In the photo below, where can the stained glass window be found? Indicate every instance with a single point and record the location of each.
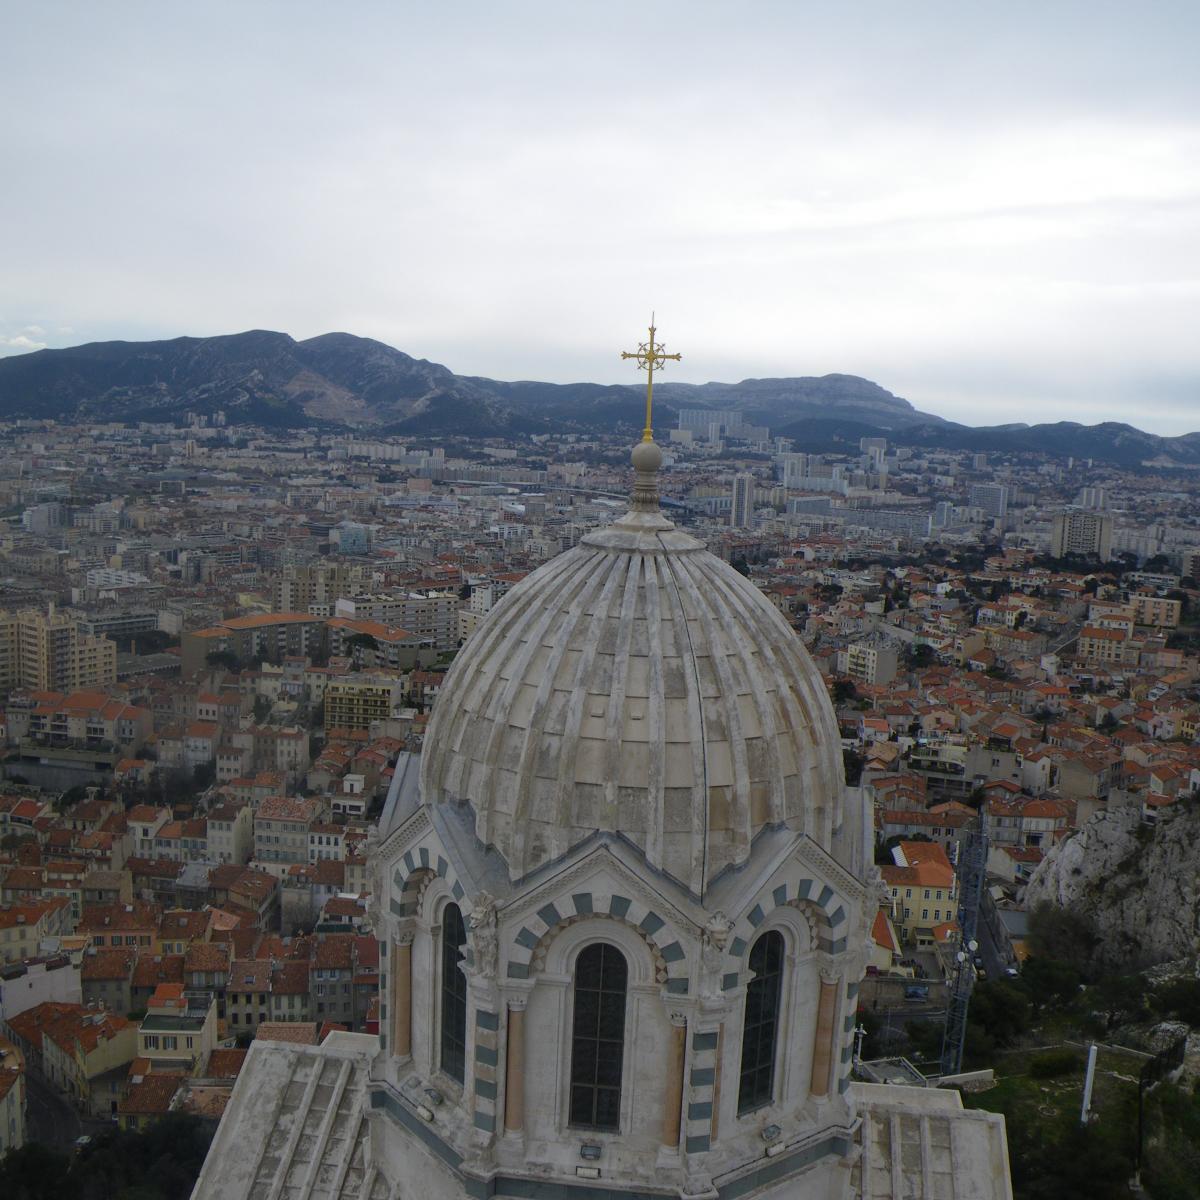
(598, 1044)
(760, 1031)
(454, 994)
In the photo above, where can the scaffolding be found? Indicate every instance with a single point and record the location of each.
(972, 875)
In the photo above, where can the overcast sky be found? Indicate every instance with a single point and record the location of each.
(990, 209)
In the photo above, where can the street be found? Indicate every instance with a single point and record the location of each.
(52, 1120)
(993, 962)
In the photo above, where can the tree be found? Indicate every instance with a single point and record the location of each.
(844, 691)
(358, 644)
(1001, 1010)
(1050, 982)
(35, 1172)
(1063, 935)
(852, 764)
(361, 641)
(920, 656)
(152, 641)
(223, 658)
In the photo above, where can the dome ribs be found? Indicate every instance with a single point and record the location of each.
(611, 814)
(498, 774)
(636, 685)
(580, 697)
(723, 729)
(525, 803)
(655, 719)
(769, 732)
(695, 872)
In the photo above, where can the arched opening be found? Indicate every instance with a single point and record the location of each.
(598, 1037)
(760, 1031)
(453, 1057)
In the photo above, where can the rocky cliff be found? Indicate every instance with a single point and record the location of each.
(1138, 885)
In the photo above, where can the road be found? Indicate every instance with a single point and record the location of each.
(53, 1121)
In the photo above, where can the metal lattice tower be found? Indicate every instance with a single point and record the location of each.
(972, 873)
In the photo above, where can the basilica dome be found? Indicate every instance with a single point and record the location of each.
(637, 685)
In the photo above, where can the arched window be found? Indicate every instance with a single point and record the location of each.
(454, 994)
(756, 1083)
(598, 1043)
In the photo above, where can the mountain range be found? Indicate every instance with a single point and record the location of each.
(339, 380)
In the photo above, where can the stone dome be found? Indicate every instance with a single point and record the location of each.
(636, 684)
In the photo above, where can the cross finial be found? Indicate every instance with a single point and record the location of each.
(650, 355)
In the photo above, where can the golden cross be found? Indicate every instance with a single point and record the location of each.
(649, 355)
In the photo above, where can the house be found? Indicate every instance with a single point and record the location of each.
(83, 1052)
(151, 970)
(206, 972)
(178, 928)
(12, 1097)
(149, 1099)
(248, 997)
(134, 924)
(281, 832)
(107, 977)
(290, 991)
(883, 950)
(230, 833)
(24, 927)
(178, 1031)
(332, 978)
(922, 888)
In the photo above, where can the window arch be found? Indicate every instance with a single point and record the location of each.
(598, 1036)
(453, 1056)
(760, 1031)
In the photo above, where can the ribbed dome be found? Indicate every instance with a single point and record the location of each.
(636, 684)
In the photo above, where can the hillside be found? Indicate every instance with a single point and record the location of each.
(1135, 884)
(266, 378)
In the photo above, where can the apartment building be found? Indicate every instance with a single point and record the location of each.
(354, 701)
(270, 636)
(1085, 533)
(51, 651)
(281, 832)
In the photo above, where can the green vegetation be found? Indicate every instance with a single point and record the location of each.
(1054, 1063)
(161, 1163)
(1033, 1032)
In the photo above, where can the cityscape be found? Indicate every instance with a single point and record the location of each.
(222, 651)
(599, 602)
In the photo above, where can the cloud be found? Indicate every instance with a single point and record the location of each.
(22, 342)
(972, 206)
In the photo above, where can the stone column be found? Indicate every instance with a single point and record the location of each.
(514, 1069)
(402, 996)
(822, 1056)
(673, 1089)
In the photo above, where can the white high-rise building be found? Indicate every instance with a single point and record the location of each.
(992, 498)
(741, 510)
(1085, 533)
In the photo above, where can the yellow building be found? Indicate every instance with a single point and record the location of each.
(923, 890)
(48, 651)
(357, 700)
(1155, 610)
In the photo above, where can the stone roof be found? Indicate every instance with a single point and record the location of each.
(921, 1144)
(636, 683)
(296, 1124)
